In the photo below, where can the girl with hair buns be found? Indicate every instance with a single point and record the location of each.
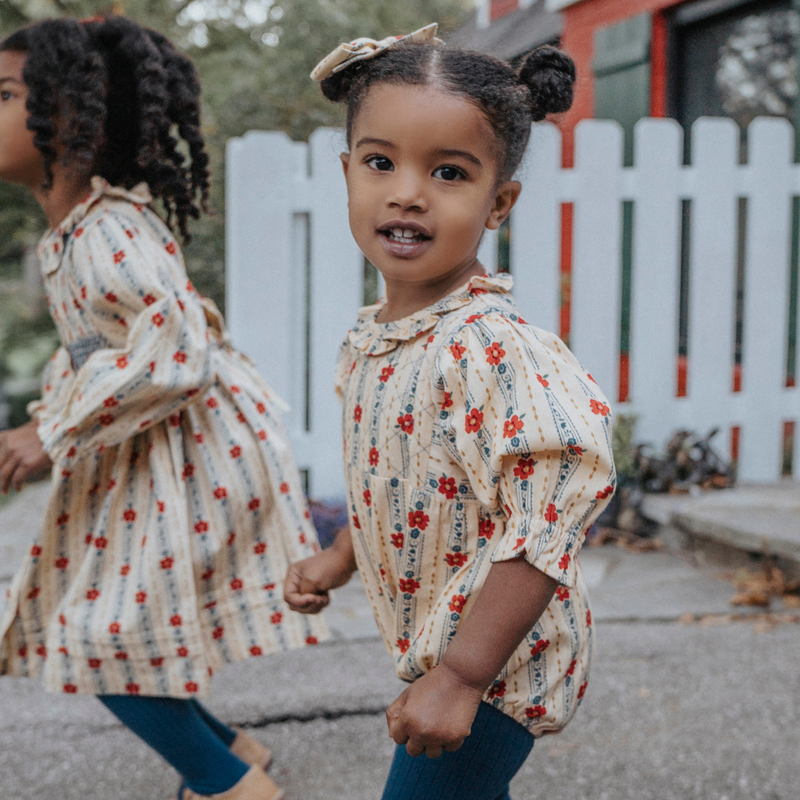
(176, 504)
(476, 448)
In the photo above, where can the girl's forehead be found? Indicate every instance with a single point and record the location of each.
(11, 64)
(423, 117)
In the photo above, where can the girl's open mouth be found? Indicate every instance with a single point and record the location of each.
(404, 239)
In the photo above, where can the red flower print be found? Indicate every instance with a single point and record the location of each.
(22, 652)
(166, 563)
(220, 492)
(235, 389)
(497, 690)
(473, 318)
(62, 563)
(524, 468)
(408, 585)
(406, 423)
(236, 584)
(78, 233)
(563, 562)
(62, 619)
(571, 668)
(212, 402)
(114, 627)
(41, 651)
(582, 690)
(141, 597)
(418, 519)
(589, 617)
(284, 487)
(36, 551)
(357, 412)
(106, 419)
(486, 528)
(269, 587)
(447, 487)
(231, 538)
(591, 378)
(534, 712)
(181, 305)
(182, 651)
(397, 540)
(599, 408)
(241, 417)
(601, 495)
(179, 357)
(92, 594)
(262, 435)
(476, 290)
(356, 523)
(174, 420)
(403, 644)
(122, 362)
(255, 650)
(129, 234)
(474, 420)
(254, 504)
(111, 484)
(175, 620)
(374, 455)
(386, 373)
(368, 497)
(236, 451)
(562, 593)
(260, 548)
(161, 506)
(110, 402)
(101, 542)
(551, 515)
(129, 515)
(511, 426)
(191, 687)
(519, 543)
(218, 633)
(71, 452)
(157, 320)
(494, 353)
(132, 688)
(94, 663)
(542, 380)
(458, 350)
(148, 299)
(261, 408)
(540, 646)
(170, 248)
(455, 559)
(276, 618)
(111, 297)
(65, 473)
(156, 662)
(457, 603)
(206, 576)
(70, 688)
(119, 256)
(448, 400)
(577, 450)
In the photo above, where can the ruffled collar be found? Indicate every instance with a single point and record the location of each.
(51, 246)
(377, 338)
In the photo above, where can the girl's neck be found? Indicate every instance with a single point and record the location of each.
(404, 299)
(66, 192)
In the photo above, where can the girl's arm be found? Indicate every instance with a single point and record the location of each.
(436, 711)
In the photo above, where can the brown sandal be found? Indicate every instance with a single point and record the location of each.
(255, 785)
(252, 752)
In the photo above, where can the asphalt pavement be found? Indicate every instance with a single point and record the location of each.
(687, 700)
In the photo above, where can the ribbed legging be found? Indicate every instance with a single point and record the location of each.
(187, 736)
(481, 769)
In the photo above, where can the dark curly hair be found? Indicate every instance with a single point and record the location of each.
(509, 99)
(110, 92)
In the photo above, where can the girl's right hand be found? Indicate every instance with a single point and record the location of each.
(22, 457)
(308, 582)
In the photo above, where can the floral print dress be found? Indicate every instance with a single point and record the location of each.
(471, 437)
(176, 504)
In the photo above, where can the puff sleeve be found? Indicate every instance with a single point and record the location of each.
(135, 298)
(531, 430)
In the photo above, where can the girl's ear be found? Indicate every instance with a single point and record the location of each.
(504, 200)
(345, 163)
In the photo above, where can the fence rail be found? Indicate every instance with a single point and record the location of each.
(296, 278)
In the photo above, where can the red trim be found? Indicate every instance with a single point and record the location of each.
(683, 369)
(567, 211)
(658, 66)
(624, 376)
(501, 8)
(736, 432)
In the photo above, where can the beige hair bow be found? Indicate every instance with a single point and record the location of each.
(360, 49)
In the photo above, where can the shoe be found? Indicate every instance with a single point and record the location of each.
(255, 785)
(252, 752)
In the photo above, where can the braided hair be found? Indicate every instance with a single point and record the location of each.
(510, 100)
(110, 93)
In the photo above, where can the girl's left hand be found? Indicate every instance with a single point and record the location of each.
(22, 457)
(434, 714)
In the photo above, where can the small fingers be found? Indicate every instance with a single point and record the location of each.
(451, 747)
(415, 748)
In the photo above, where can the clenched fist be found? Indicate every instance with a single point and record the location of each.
(22, 458)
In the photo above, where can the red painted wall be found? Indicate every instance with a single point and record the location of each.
(580, 23)
(499, 8)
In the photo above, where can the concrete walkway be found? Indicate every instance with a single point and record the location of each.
(686, 702)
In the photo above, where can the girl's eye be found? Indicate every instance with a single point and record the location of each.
(381, 163)
(448, 173)
(4, 95)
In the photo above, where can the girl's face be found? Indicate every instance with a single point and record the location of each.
(20, 161)
(422, 184)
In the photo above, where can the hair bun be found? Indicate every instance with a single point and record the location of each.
(336, 87)
(549, 73)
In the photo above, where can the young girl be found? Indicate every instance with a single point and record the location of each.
(176, 505)
(476, 448)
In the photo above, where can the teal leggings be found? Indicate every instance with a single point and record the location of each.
(481, 769)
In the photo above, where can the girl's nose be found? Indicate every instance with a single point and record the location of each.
(407, 192)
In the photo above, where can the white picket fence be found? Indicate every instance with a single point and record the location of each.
(295, 275)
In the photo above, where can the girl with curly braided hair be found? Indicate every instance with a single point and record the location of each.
(477, 449)
(176, 505)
